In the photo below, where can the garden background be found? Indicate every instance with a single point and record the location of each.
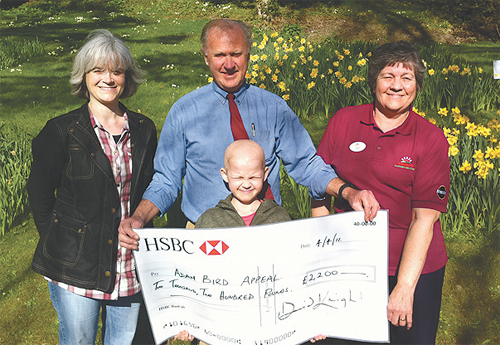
(314, 54)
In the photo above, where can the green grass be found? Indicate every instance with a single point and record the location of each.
(164, 38)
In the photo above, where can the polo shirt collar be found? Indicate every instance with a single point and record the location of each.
(404, 129)
(221, 94)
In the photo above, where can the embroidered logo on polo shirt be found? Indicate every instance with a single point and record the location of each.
(214, 247)
(405, 163)
(441, 192)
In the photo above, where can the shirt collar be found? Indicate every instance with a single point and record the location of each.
(238, 95)
(404, 129)
(95, 122)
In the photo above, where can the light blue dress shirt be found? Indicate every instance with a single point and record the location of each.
(197, 132)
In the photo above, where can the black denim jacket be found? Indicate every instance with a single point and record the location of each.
(75, 201)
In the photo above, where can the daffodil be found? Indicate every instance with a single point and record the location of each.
(453, 151)
(465, 167)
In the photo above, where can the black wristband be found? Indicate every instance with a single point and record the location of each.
(344, 186)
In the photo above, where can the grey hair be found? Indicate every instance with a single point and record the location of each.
(226, 25)
(103, 49)
(392, 53)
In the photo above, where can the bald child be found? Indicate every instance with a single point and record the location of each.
(244, 172)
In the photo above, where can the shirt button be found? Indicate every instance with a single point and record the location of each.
(113, 210)
(107, 274)
(110, 242)
(379, 148)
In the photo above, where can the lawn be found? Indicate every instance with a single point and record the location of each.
(164, 38)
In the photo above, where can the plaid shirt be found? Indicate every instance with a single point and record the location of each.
(120, 156)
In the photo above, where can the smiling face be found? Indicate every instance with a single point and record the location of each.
(105, 85)
(227, 56)
(244, 171)
(395, 90)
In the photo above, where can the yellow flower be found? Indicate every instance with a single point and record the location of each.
(340, 57)
(338, 74)
(369, 54)
(347, 52)
(254, 44)
(453, 151)
(443, 112)
(348, 84)
(311, 85)
(303, 41)
(444, 71)
(254, 58)
(452, 140)
(277, 56)
(254, 74)
(479, 155)
(300, 75)
(14, 153)
(253, 81)
(302, 48)
(431, 72)
(268, 70)
(280, 63)
(280, 39)
(210, 79)
(333, 81)
(314, 72)
(465, 167)
(309, 58)
(315, 62)
(293, 66)
(361, 62)
(355, 79)
(262, 86)
(274, 78)
(274, 34)
(336, 63)
(490, 152)
(286, 97)
(263, 57)
(261, 46)
(248, 75)
(276, 71)
(431, 120)
(285, 57)
(480, 70)
(454, 68)
(342, 80)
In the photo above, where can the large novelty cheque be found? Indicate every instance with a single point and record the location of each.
(282, 283)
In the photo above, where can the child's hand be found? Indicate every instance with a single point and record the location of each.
(184, 336)
(318, 337)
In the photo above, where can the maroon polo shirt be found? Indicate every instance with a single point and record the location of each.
(405, 168)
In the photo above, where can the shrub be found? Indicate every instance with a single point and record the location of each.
(15, 161)
(14, 51)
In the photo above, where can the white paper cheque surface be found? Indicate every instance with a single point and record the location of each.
(281, 283)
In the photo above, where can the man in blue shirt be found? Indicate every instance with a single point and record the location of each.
(197, 131)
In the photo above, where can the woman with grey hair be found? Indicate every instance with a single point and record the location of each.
(90, 168)
(402, 158)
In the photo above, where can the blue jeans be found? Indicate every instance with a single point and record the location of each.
(79, 317)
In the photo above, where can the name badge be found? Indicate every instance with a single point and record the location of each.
(357, 146)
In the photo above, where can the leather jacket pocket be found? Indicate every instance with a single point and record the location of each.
(64, 240)
(80, 165)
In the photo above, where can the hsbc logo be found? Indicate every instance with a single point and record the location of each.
(214, 247)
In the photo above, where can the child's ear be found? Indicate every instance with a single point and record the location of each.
(224, 174)
(266, 173)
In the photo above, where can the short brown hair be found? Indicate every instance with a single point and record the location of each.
(392, 53)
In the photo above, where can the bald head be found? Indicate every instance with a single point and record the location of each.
(246, 150)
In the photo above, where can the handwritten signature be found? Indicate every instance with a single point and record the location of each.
(323, 300)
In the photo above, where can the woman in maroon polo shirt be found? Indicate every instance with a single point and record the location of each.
(402, 158)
